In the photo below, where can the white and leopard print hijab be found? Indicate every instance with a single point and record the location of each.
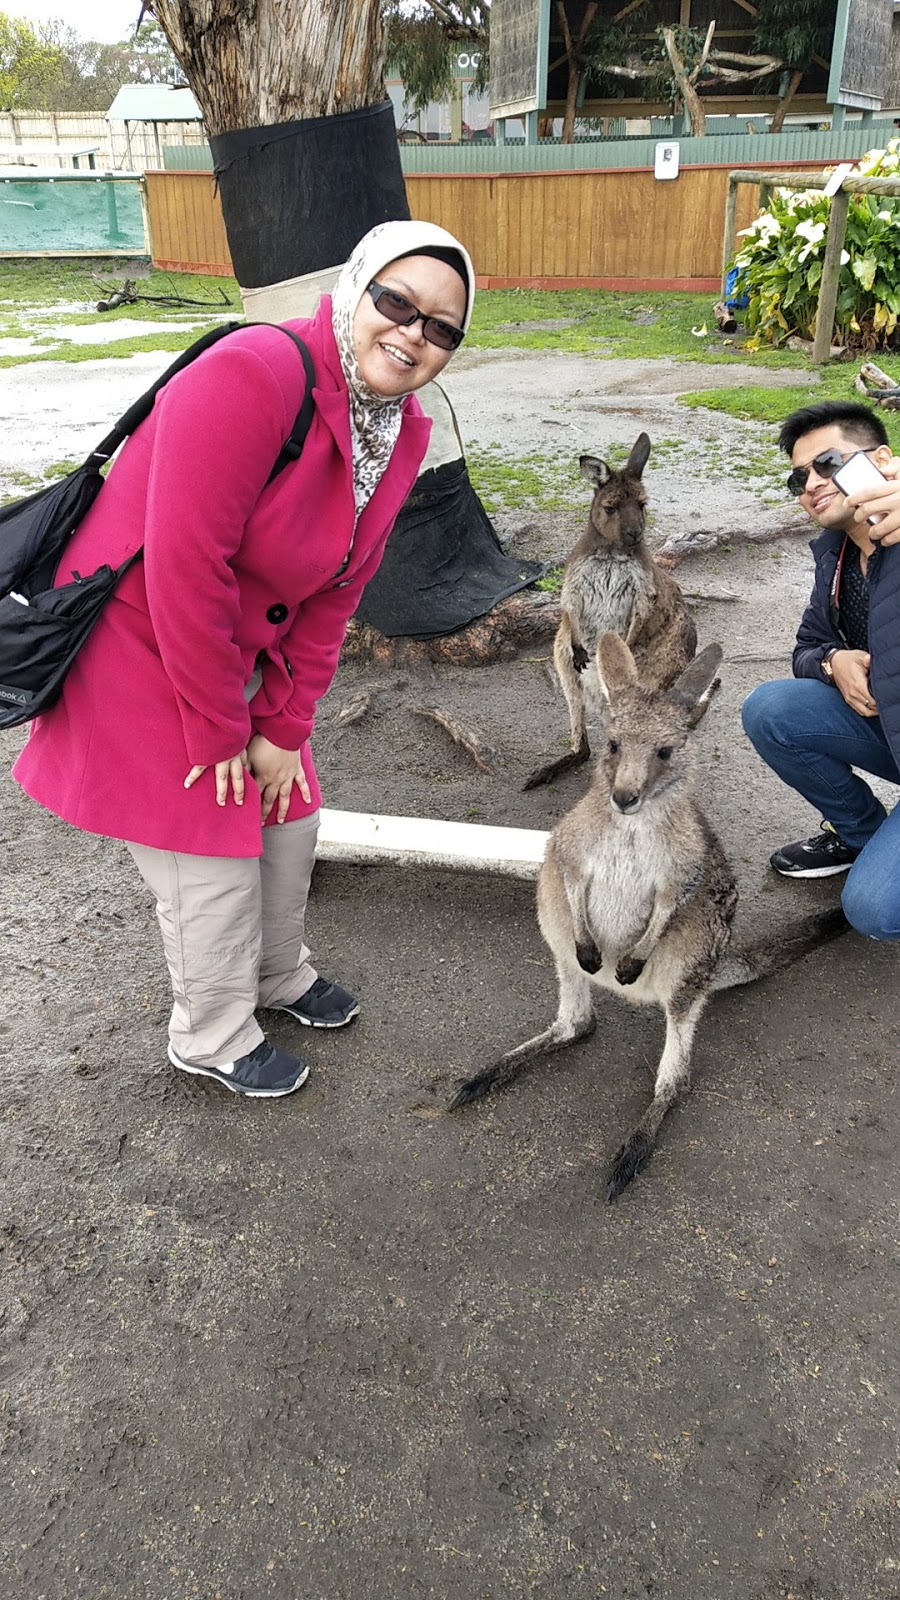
(374, 420)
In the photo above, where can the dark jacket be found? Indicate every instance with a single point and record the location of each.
(820, 630)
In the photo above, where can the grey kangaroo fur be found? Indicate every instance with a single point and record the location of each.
(612, 584)
(636, 894)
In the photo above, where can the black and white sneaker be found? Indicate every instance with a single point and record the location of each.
(325, 1005)
(820, 857)
(266, 1071)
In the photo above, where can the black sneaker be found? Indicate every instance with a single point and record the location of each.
(325, 1005)
(820, 857)
(265, 1071)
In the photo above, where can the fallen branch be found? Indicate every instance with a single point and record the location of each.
(465, 737)
(878, 388)
(354, 710)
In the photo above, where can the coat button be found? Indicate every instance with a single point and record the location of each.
(277, 613)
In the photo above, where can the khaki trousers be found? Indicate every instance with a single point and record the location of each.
(233, 933)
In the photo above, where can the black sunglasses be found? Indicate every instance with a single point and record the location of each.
(401, 311)
(825, 466)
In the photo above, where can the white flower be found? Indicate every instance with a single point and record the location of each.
(871, 160)
(845, 257)
(813, 231)
(883, 216)
(764, 228)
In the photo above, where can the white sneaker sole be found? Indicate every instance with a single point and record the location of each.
(229, 1083)
(311, 1022)
(813, 872)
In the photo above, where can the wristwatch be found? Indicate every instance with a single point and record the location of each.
(827, 670)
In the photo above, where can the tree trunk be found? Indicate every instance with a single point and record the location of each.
(568, 127)
(574, 44)
(307, 161)
(782, 107)
(692, 102)
(252, 65)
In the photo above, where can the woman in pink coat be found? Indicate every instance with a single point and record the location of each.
(184, 724)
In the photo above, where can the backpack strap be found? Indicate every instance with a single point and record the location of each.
(290, 450)
(142, 407)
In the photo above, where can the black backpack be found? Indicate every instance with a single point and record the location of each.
(42, 628)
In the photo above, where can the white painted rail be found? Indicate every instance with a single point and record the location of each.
(364, 837)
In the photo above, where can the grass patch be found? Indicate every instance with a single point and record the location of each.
(38, 295)
(48, 283)
(533, 482)
(115, 350)
(771, 406)
(552, 581)
(599, 323)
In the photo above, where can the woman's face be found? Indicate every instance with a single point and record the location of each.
(395, 361)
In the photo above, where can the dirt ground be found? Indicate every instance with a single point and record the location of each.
(347, 1345)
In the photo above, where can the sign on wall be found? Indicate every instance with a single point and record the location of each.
(520, 41)
(860, 55)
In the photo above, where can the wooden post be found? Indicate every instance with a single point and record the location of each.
(730, 218)
(831, 272)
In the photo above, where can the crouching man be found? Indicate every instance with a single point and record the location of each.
(841, 709)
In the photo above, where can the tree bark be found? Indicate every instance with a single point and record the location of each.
(254, 64)
(782, 107)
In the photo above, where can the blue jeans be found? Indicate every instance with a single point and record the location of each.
(805, 731)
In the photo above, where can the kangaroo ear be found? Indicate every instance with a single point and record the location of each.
(696, 678)
(640, 454)
(615, 664)
(596, 471)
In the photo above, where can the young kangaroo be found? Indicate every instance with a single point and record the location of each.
(612, 584)
(635, 893)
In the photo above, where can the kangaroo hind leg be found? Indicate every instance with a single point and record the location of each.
(572, 687)
(574, 1020)
(672, 1079)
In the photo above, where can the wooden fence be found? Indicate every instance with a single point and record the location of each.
(620, 229)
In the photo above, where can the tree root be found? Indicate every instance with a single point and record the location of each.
(524, 619)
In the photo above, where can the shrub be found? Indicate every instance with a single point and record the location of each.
(780, 266)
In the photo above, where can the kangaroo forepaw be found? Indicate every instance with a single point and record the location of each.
(634, 1155)
(629, 969)
(588, 956)
(580, 657)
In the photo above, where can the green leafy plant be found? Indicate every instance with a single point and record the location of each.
(780, 265)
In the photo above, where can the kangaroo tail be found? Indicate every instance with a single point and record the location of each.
(768, 955)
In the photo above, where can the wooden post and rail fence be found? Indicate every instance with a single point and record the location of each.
(834, 242)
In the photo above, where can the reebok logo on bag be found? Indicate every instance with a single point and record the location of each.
(42, 628)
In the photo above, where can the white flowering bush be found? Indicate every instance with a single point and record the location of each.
(780, 265)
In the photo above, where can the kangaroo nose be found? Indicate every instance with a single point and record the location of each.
(626, 800)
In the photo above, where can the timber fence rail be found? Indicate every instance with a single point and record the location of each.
(766, 181)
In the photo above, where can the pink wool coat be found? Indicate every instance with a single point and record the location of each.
(234, 574)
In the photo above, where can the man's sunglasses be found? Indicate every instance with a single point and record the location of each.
(825, 466)
(401, 311)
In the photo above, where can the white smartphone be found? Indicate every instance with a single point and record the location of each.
(857, 475)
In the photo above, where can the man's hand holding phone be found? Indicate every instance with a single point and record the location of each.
(873, 493)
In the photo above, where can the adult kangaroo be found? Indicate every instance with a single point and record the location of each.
(612, 584)
(636, 894)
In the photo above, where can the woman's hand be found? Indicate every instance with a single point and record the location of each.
(276, 771)
(882, 501)
(226, 772)
(851, 677)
